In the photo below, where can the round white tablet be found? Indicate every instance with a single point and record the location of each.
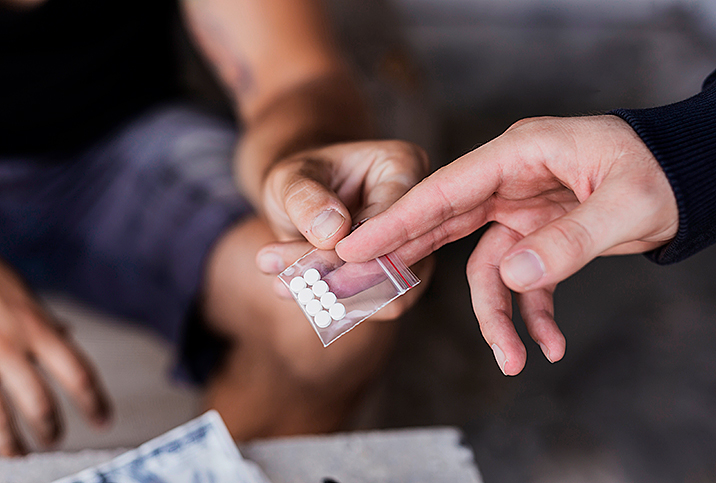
(311, 276)
(297, 284)
(337, 311)
(322, 319)
(319, 288)
(305, 296)
(313, 307)
(328, 299)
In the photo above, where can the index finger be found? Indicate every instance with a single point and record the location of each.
(457, 189)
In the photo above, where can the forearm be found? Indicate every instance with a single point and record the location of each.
(321, 111)
(279, 64)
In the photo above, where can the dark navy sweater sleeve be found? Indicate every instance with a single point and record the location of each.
(682, 137)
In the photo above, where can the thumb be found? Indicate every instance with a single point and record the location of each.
(610, 217)
(298, 198)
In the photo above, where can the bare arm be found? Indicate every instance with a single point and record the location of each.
(279, 62)
(298, 160)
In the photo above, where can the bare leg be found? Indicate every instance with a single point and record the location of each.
(278, 379)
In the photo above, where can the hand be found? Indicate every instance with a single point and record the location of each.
(318, 195)
(32, 345)
(561, 191)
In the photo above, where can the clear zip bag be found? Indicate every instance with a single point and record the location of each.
(336, 296)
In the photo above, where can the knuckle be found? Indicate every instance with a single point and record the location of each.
(407, 151)
(438, 237)
(299, 190)
(397, 146)
(520, 124)
(572, 238)
(298, 184)
(531, 123)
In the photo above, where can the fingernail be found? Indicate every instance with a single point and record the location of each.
(545, 351)
(270, 263)
(525, 268)
(499, 357)
(327, 224)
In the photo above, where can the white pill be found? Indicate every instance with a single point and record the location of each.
(337, 311)
(328, 299)
(313, 307)
(311, 276)
(305, 296)
(319, 288)
(297, 284)
(322, 319)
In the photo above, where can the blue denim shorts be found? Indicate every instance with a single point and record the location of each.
(127, 224)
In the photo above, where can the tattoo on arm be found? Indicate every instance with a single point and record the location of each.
(214, 42)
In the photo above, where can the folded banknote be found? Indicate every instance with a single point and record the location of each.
(200, 451)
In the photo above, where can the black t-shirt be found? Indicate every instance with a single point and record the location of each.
(70, 70)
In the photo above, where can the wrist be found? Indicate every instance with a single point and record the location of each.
(680, 136)
(323, 111)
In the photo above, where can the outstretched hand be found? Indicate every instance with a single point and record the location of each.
(560, 191)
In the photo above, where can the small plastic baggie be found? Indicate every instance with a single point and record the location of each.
(336, 295)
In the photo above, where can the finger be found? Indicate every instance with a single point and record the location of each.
(73, 371)
(607, 219)
(394, 168)
(30, 395)
(537, 309)
(524, 216)
(10, 442)
(280, 289)
(273, 259)
(298, 197)
(451, 191)
(492, 300)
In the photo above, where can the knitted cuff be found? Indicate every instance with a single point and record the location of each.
(682, 137)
